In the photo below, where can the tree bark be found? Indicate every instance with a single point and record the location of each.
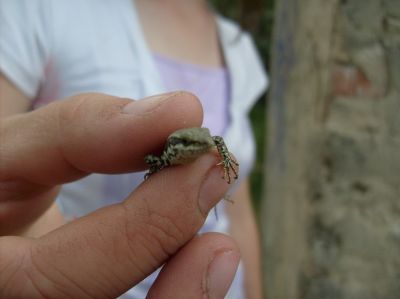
(331, 214)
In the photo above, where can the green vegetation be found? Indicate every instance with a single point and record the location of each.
(257, 176)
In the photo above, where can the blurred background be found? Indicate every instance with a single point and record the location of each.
(329, 201)
(258, 20)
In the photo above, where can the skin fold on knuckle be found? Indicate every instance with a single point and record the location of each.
(166, 209)
(87, 123)
(17, 278)
(18, 138)
(94, 106)
(10, 276)
(152, 235)
(45, 278)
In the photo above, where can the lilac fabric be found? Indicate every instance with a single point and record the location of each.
(210, 85)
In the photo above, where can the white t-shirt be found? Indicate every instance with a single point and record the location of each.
(52, 49)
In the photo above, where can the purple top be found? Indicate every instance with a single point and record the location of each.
(210, 85)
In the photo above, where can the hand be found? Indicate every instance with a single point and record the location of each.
(107, 252)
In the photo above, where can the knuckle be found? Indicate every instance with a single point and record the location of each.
(73, 108)
(45, 280)
(152, 235)
(16, 280)
(82, 115)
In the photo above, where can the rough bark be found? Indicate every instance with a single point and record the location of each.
(331, 215)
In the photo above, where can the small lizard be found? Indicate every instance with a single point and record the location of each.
(185, 145)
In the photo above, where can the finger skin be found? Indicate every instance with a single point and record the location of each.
(107, 252)
(90, 133)
(186, 274)
(69, 139)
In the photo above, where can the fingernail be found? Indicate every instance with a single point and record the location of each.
(221, 273)
(148, 104)
(212, 189)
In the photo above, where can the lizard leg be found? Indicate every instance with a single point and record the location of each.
(155, 165)
(228, 161)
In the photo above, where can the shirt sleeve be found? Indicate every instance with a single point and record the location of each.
(24, 45)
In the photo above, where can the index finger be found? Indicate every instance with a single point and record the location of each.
(90, 133)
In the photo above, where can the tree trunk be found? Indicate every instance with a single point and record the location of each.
(331, 216)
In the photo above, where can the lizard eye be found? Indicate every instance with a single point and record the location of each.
(173, 141)
(185, 142)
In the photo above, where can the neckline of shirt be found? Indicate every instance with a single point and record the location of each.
(188, 66)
